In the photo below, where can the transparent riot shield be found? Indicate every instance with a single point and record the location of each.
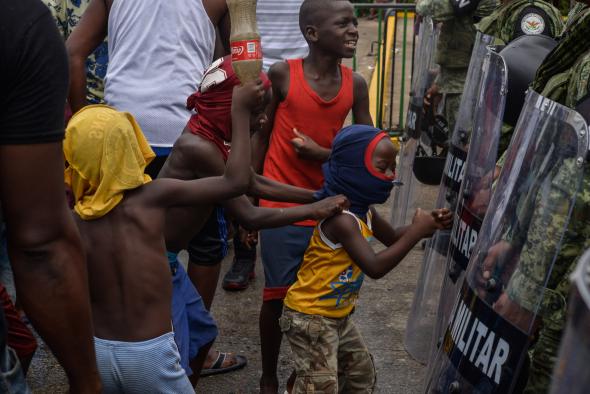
(505, 81)
(420, 326)
(571, 371)
(475, 192)
(496, 312)
(424, 73)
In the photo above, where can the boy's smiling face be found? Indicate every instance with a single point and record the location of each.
(336, 29)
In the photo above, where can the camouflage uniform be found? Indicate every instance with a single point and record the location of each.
(563, 77)
(455, 43)
(330, 354)
(574, 14)
(67, 14)
(505, 25)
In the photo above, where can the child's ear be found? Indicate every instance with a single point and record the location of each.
(311, 33)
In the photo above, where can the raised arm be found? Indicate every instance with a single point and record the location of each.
(85, 38)
(219, 15)
(236, 177)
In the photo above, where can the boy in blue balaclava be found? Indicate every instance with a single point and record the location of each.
(325, 342)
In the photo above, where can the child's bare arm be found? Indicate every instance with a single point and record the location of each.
(382, 229)
(279, 77)
(85, 38)
(360, 106)
(254, 218)
(344, 229)
(219, 16)
(387, 235)
(236, 178)
(262, 187)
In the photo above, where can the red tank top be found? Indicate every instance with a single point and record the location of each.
(306, 111)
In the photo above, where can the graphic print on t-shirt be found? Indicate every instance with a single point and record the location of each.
(345, 290)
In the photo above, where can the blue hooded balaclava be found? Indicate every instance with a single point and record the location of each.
(349, 170)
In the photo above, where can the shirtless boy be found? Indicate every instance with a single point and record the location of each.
(200, 152)
(121, 217)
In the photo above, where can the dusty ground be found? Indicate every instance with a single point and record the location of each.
(381, 315)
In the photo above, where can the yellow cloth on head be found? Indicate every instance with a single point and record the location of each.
(107, 154)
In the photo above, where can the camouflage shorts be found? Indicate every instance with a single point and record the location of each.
(330, 354)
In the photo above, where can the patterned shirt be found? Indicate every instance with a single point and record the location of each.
(328, 282)
(67, 14)
(522, 17)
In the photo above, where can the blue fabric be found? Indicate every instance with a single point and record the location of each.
(162, 151)
(345, 171)
(151, 366)
(282, 251)
(193, 325)
(209, 246)
(220, 212)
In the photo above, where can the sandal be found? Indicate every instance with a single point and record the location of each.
(217, 368)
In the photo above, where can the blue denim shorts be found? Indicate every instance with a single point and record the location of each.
(193, 325)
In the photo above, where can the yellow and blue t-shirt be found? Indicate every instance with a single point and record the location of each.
(328, 282)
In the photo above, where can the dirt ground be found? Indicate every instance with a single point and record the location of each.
(381, 314)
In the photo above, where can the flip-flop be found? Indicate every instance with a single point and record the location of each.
(216, 368)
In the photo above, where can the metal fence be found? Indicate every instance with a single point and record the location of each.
(394, 52)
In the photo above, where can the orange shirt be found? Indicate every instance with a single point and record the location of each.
(307, 112)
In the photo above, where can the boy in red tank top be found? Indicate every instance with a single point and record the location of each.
(311, 99)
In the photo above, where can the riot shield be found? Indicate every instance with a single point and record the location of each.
(420, 326)
(475, 192)
(571, 371)
(504, 84)
(424, 73)
(496, 312)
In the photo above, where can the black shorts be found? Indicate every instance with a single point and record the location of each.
(209, 247)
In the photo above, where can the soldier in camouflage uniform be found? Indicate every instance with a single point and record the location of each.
(514, 19)
(454, 47)
(564, 77)
(67, 14)
(522, 17)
